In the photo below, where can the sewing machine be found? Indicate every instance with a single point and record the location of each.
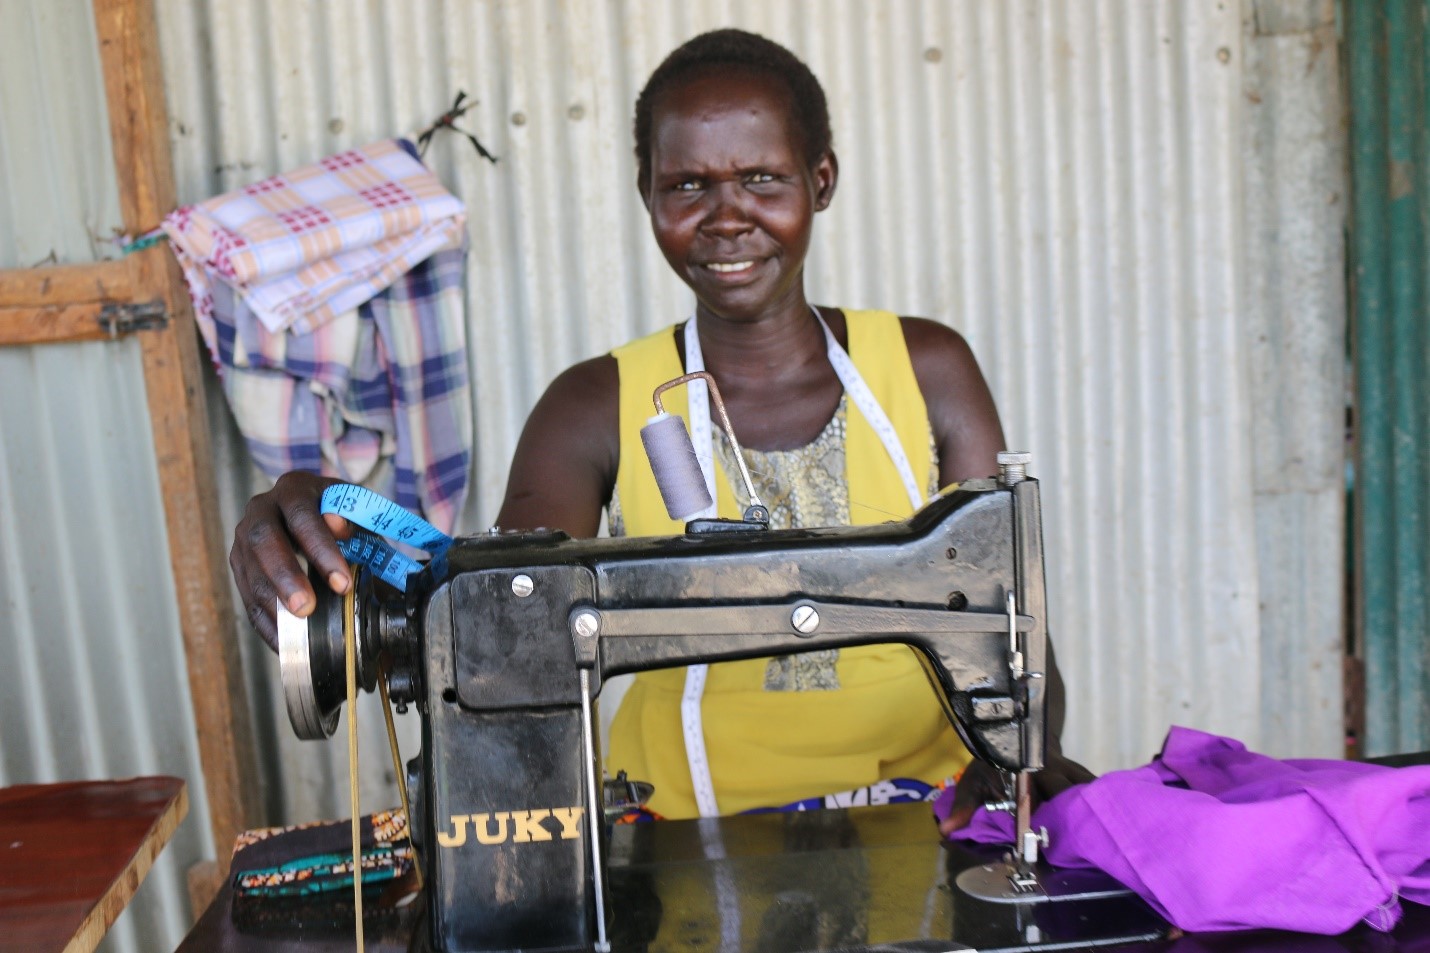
(504, 648)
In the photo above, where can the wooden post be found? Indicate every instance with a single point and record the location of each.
(138, 120)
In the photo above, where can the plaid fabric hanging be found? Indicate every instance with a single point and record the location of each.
(330, 298)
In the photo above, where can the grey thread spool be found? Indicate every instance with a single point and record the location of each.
(677, 470)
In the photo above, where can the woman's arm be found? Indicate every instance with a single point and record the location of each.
(561, 477)
(961, 411)
(564, 468)
(968, 435)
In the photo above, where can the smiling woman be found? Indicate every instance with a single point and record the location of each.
(848, 417)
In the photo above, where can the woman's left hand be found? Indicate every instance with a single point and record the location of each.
(981, 783)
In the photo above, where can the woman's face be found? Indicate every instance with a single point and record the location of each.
(731, 197)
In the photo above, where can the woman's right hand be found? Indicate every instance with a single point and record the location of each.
(276, 527)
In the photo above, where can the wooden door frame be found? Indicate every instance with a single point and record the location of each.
(67, 303)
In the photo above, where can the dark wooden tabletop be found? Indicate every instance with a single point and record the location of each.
(859, 880)
(73, 854)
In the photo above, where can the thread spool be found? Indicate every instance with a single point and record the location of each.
(677, 470)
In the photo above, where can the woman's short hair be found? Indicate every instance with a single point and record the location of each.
(741, 50)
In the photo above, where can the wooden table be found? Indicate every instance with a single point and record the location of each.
(858, 880)
(73, 854)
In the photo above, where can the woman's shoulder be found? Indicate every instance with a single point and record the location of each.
(932, 346)
(944, 365)
(594, 385)
(936, 350)
(565, 462)
(921, 332)
(580, 404)
(593, 379)
(960, 406)
(927, 335)
(584, 392)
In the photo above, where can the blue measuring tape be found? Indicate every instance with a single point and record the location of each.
(380, 517)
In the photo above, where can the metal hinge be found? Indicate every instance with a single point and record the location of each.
(118, 318)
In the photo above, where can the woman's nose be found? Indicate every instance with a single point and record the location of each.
(726, 215)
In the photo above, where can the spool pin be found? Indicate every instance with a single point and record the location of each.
(677, 469)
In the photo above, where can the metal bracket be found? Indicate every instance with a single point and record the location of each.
(126, 317)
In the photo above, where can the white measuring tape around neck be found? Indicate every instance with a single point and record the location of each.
(691, 718)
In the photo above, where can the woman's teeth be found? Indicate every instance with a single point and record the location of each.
(726, 268)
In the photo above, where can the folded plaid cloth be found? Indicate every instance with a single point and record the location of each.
(370, 383)
(303, 247)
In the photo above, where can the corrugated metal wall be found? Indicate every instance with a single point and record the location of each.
(1063, 182)
(1092, 191)
(1389, 80)
(58, 198)
(1294, 314)
(94, 683)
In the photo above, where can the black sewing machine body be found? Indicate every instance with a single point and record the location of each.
(503, 648)
(502, 697)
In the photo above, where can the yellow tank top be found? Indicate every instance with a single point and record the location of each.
(876, 718)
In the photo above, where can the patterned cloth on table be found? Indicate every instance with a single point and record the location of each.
(331, 301)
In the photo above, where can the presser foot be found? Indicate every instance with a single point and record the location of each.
(1018, 907)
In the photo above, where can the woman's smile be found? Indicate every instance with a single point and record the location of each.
(732, 272)
(730, 267)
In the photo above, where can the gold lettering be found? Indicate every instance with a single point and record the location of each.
(459, 838)
(528, 826)
(523, 827)
(481, 824)
(570, 818)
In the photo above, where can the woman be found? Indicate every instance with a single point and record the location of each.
(735, 159)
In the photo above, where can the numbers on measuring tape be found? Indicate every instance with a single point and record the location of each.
(379, 517)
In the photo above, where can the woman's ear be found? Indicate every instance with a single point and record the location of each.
(826, 178)
(644, 192)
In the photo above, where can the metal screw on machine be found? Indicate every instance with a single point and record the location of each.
(586, 623)
(522, 586)
(1013, 466)
(804, 619)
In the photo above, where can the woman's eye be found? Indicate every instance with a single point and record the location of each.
(760, 177)
(689, 185)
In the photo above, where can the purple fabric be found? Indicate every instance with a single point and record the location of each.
(1216, 837)
(943, 804)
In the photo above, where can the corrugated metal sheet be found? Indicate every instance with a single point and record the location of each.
(1295, 315)
(1389, 81)
(1068, 182)
(1063, 182)
(58, 198)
